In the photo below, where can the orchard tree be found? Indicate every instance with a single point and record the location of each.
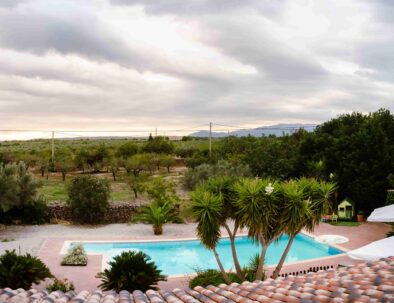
(137, 184)
(359, 150)
(113, 167)
(167, 161)
(64, 163)
(159, 145)
(127, 150)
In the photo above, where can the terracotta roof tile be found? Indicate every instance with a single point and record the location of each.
(364, 283)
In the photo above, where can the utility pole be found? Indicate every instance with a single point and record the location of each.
(210, 139)
(156, 132)
(53, 146)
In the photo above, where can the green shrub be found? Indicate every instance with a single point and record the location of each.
(131, 271)
(251, 270)
(21, 271)
(76, 256)
(161, 191)
(211, 277)
(203, 172)
(17, 187)
(61, 285)
(159, 145)
(35, 212)
(390, 197)
(88, 197)
(215, 277)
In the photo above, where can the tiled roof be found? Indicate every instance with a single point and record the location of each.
(365, 282)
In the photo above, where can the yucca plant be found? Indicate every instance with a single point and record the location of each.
(208, 211)
(21, 271)
(304, 203)
(158, 216)
(131, 271)
(258, 210)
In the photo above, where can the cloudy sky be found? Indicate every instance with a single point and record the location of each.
(110, 64)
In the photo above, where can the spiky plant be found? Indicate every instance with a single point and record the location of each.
(131, 271)
(21, 271)
(157, 216)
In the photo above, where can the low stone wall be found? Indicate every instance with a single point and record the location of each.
(119, 212)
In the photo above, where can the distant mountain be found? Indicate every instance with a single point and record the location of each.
(277, 130)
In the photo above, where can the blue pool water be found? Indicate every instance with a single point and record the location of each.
(182, 257)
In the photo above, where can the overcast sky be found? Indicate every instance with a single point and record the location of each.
(103, 64)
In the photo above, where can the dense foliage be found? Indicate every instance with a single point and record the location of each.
(17, 187)
(88, 197)
(359, 151)
(203, 172)
(131, 271)
(76, 256)
(18, 196)
(21, 271)
(213, 277)
(159, 145)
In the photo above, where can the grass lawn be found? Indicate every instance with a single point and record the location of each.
(54, 190)
(345, 223)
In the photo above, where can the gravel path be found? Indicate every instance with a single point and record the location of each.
(29, 238)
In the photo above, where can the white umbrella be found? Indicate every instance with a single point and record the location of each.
(382, 214)
(373, 251)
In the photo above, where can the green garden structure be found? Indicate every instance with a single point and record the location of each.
(346, 209)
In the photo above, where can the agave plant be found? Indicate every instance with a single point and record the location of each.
(158, 216)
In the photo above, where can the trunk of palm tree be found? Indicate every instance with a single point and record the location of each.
(278, 268)
(260, 267)
(225, 276)
(157, 229)
(237, 266)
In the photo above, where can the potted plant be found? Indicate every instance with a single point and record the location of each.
(360, 216)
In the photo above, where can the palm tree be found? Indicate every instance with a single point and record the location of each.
(304, 203)
(258, 210)
(158, 216)
(224, 186)
(208, 211)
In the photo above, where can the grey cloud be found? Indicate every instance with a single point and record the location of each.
(77, 33)
(383, 9)
(10, 3)
(256, 46)
(182, 7)
(285, 78)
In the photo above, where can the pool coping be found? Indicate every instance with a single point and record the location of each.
(105, 259)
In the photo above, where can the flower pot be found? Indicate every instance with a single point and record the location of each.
(360, 218)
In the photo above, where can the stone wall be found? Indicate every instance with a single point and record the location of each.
(118, 212)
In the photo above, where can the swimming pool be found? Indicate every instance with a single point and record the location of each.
(183, 257)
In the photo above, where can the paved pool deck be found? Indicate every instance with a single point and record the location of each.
(48, 241)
